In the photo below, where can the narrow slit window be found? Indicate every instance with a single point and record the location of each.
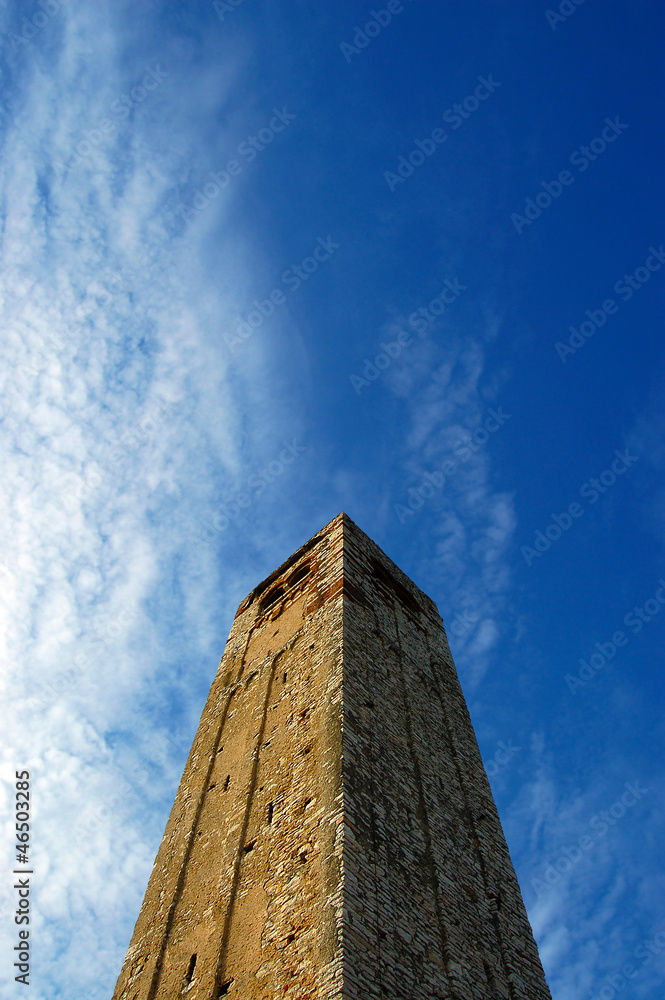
(271, 809)
(227, 782)
(189, 975)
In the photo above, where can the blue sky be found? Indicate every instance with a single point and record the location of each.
(259, 268)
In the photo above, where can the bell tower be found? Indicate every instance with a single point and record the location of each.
(334, 833)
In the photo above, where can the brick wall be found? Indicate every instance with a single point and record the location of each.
(432, 905)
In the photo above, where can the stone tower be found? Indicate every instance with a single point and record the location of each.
(334, 834)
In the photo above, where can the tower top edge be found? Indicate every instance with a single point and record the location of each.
(351, 530)
(343, 525)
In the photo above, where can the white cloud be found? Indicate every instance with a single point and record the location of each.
(121, 417)
(443, 383)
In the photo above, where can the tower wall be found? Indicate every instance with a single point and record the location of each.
(334, 834)
(431, 901)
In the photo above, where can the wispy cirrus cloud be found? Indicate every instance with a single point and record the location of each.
(445, 482)
(121, 414)
(576, 843)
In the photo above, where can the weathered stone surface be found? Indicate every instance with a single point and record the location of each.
(334, 834)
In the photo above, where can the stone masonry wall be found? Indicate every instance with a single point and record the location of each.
(432, 908)
(245, 894)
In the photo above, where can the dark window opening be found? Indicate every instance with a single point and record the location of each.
(224, 988)
(298, 575)
(271, 598)
(300, 554)
(271, 809)
(189, 975)
(470, 892)
(388, 581)
(227, 782)
(284, 678)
